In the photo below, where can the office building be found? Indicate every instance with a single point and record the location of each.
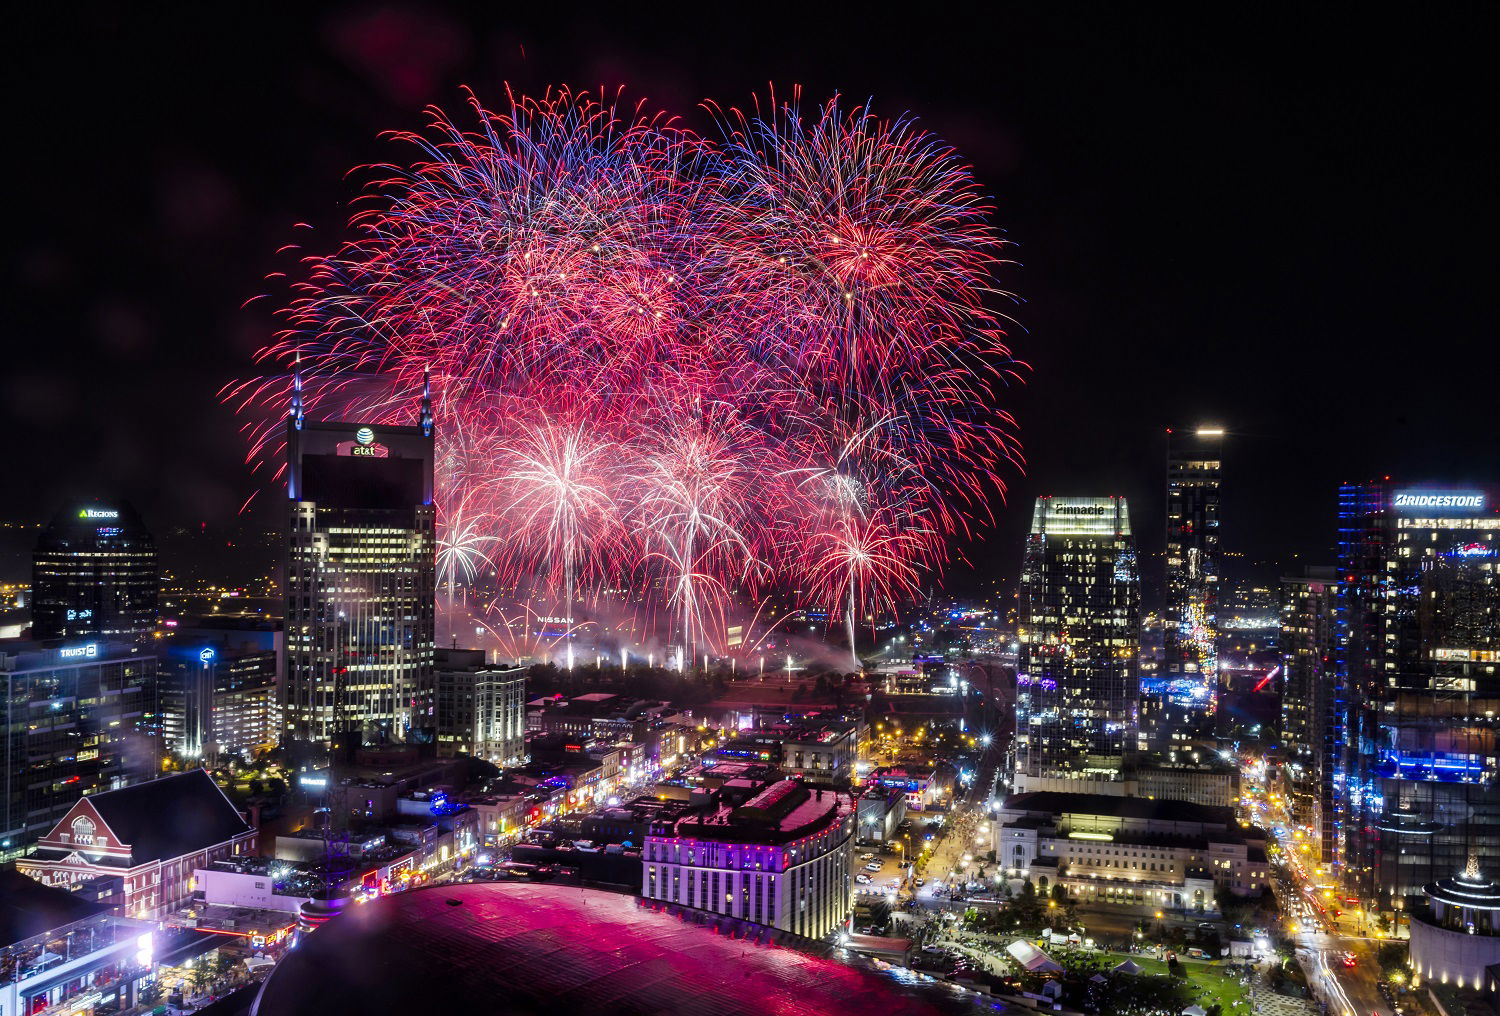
(94, 575)
(1418, 650)
(360, 581)
(783, 859)
(481, 708)
(218, 699)
(75, 719)
(1194, 470)
(1313, 708)
(1078, 679)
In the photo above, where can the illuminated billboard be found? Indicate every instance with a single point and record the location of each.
(1424, 501)
(1081, 516)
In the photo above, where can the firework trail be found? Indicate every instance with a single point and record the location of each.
(690, 371)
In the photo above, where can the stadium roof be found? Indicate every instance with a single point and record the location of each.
(503, 947)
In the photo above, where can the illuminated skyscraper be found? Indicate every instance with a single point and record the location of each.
(1194, 469)
(75, 719)
(360, 580)
(1313, 708)
(1078, 679)
(1418, 651)
(94, 575)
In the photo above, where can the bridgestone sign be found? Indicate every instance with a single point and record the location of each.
(1410, 500)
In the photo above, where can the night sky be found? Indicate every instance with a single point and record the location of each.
(1282, 223)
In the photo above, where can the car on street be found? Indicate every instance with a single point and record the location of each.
(862, 879)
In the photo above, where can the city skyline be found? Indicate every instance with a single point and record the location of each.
(1109, 325)
(515, 508)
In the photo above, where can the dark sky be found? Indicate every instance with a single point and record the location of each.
(1282, 221)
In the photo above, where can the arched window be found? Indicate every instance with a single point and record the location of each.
(83, 831)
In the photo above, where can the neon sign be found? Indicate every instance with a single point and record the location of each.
(98, 513)
(1463, 499)
(206, 655)
(79, 652)
(365, 436)
(79, 615)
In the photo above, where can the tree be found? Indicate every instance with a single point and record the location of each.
(200, 976)
(224, 966)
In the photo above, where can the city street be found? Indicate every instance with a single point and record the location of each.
(966, 831)
(1322, 940)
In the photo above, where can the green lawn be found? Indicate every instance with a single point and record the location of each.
(1216, 985)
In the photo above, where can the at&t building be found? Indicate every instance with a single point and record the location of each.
(360, 580)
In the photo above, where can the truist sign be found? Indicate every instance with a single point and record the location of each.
(1438, 500)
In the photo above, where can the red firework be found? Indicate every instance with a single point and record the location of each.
(679, 369)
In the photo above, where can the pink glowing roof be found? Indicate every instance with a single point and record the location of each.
(524, 948)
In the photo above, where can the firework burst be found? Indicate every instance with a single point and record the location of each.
(682, 370)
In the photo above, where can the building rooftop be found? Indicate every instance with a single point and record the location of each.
(781, 812)
(525, 948)
(1470, 889)
(28, 908)
(164, 818)
(1057, 803)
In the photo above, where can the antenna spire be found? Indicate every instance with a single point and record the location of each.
(426, 401)
(296, 406)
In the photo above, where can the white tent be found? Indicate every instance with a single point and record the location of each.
(1128, 967)
(1033, 959)
(1195, 1010)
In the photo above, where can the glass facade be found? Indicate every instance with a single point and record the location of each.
(94, 574)
(1312, 708)
(225, 703)
(1190, 616)
(1078, 680)
(360, 582)
(1419, 652)
(76, 720)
